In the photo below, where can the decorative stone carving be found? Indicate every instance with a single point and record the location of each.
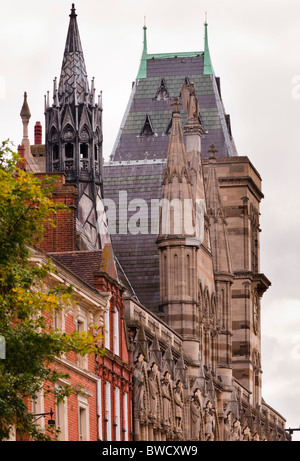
(228, 428)
(209, 422)
(166, 396)
(153, 391)
(237, 431)
(138, 386)
(178, 400)
(190, 101)
(247, 434)
(196, 415)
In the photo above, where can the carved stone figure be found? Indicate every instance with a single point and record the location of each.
(178, 403)
(153, 390)
(237, 431)
(195, 415)
(139, 385)
(190, 101)
(165, 390)
(209, 422)
(227, 428)
(256, 437)
(247, 434)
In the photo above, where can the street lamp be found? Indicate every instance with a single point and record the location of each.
(51, 421)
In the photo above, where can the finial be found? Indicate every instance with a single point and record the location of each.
(176, 105)
(212, 151)
(145, 27)
(208, 69)
(100, 106)
(142, 73)
(73, 11)
(25, 112)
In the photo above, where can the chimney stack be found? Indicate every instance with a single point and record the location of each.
(38, 133)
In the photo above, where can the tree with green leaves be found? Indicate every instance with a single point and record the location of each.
(26, 304)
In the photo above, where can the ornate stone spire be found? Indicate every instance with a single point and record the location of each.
(74, 138)
(176, 160)
(73, 84)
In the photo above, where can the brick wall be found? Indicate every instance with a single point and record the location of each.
(62, 236)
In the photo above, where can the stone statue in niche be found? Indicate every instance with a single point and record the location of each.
(209, 422)
(190, 101)
(237, 431)
(228, 428)
(165, 390)
(153, 390)
(196, 415)
(178, 404)
(138, 385)
(247, 434)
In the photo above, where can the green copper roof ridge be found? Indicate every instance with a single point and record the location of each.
(208, 69)
(142, 73)
(180, 54)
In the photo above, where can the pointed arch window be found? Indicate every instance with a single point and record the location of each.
(84, 150)
(55, 157)
(84, 156)
(69, 150)
(69, 156)
(176, 274)
(53, 134)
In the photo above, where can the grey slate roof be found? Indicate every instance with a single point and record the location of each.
(144, 102)
(138, 161)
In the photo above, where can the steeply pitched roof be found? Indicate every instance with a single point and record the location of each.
(174, 68)
(73, 79)
(139, 159)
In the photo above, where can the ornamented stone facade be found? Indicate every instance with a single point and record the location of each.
(189, 300)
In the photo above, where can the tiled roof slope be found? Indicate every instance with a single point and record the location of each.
(140, 150)
(146, 101)
(84, 264)
(125, 182)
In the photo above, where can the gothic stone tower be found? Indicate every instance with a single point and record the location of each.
(74, 137)
(186, 267)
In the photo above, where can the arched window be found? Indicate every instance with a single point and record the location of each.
(69, 156)
(84, 151)
(55, 153)
(188, 275)
(69, 150)
(176, 274)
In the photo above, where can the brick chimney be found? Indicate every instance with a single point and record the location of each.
(21, 152)
(38, 133)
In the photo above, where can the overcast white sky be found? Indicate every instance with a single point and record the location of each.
(254, 48)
